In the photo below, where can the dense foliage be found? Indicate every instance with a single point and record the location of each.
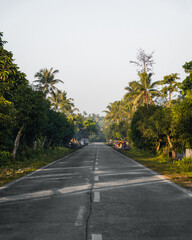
(38, 116)
(156, 115)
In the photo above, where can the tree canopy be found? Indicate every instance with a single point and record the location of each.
(150, 116)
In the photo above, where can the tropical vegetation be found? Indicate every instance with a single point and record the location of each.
(39, 119)
(36, 117)
(153, 115)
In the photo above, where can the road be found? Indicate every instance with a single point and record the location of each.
(95, 194)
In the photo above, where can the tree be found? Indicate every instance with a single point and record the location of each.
(143, 91)
(114, 112)
(66, 104)
(118, 119)
(7, 122)
(10, 80)
(187, 83)
(162, 128)
(144, 61)
(46, 80)
(89, 128)
(153, 127)
(31, 107)
(85, 126)
(1, 40)
(132, 99)
(26, 116)
(171, 85)
(61, 103)
(182, 119)
(99, 122)
(141, 134)
(188, 67)
(55, 99)
(58, 130)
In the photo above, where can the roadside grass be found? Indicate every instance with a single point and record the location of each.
(32, 161)
(178, 171)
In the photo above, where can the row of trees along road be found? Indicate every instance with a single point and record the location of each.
(38, 115)
(156, 115)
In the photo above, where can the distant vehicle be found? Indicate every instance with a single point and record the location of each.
(84, 142)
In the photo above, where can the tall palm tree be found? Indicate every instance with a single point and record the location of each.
(60, 102)
(66, 104)
(114, 112)
(46, 80)
(132, 97)
(127, 109)
(55, 99)
(143, 91)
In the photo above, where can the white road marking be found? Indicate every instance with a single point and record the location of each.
(96, 237)
(45, 193)
(162, 177)
(96, 168)
(51, 179)
(75, 167)
(96, 163)
(127, 182)
(79, 220)
(27, 196)
(75, 189)
(52, 175)
(96, 178)
(96, 197)
(38, 170)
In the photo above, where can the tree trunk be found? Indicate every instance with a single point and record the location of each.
(174, 155)
(188, 153)
(170, 99)
(146, 99)
(43, 144)
(16, 143)
(158, 146)
(169, 141)
(49, 142)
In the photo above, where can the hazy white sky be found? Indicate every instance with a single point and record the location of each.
(91, 42)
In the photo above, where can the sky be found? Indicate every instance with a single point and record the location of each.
(91, 42)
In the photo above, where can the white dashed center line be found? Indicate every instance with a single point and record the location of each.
(96, 237)
(96, 178)
(96, 197)
(79, 220)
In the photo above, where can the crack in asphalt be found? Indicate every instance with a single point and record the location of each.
(90, 201)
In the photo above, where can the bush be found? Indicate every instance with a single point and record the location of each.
(5, 158)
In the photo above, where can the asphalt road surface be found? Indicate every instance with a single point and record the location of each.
(95, 194)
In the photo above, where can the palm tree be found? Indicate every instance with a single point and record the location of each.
(66, 104)
(55, 99)
(114, 112)
(127, 109)
(60, 102)
(46, 80)
(142, 91)
(132, 96)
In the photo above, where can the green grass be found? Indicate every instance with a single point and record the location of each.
(178, 171)
(30, 163)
